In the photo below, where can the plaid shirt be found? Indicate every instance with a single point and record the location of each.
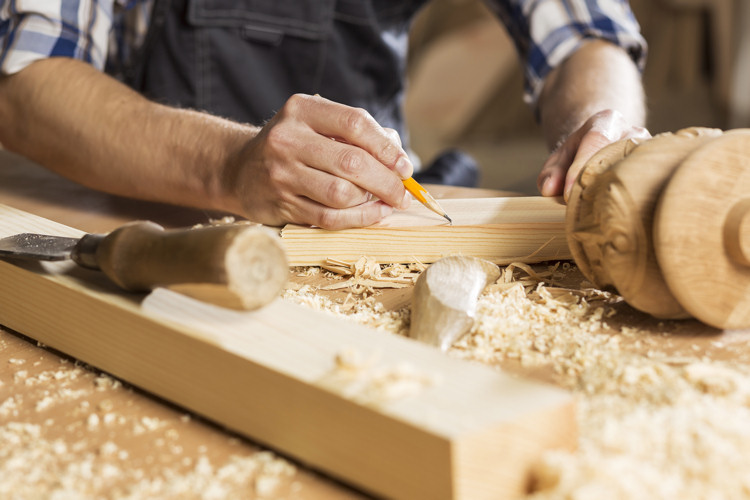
(545, 31)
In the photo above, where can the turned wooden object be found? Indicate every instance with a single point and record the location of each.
(445, 298)
(666, 223)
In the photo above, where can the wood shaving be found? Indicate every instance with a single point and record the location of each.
(367, 380)
(227, 220)
(363, 310)
(367, 274)
(34, 466)
(655, 422)
(45, 459)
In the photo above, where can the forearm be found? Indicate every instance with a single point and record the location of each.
(90, 128)
(599, 76)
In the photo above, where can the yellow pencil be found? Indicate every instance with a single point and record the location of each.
(424, 197)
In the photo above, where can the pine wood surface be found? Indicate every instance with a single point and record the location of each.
(500, 229)
(271, 375)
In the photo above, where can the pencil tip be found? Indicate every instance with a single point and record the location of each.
(449, 219)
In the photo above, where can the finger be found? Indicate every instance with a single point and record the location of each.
(356, 127)
(328, 190)
(552, 176)
(549, 180)
(393, 134)
(355, 165)
(366, 214)
(591, 142)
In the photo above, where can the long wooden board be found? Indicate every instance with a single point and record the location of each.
(288, 377)
(501, 230)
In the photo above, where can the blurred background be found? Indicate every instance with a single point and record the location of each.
(465, 81)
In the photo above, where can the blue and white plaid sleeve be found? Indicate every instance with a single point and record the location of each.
(37, 29)
(546, 32)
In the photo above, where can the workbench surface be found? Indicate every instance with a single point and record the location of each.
(73, 430)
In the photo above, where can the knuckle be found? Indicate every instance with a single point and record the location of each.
(338, 193)
(351, 162)
(393, 134)
(277, 137)
(276, 178)
(294, 104)
(328, 218)
(355, 120)
(389, 152)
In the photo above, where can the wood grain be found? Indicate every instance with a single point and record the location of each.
(698, 232)
(610, 223)
(501, 230)
(467, 432)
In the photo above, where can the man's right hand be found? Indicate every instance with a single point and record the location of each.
(319, 162)
(316, 162)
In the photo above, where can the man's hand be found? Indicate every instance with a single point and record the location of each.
(319, 162)
(316, 162)
(563, 165)
(592, 99)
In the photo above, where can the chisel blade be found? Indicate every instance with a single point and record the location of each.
(32, 246)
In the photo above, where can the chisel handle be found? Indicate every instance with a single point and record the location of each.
(237, 266)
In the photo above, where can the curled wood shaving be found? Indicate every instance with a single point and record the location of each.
(306, 272)
(367, 274)
(528, 257)
(357, 284)
(225, 221)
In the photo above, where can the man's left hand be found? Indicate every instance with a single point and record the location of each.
(563, 165)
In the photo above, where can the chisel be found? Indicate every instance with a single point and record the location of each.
(238, 266)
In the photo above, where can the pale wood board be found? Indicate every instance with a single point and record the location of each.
(501, 230)
(270, 375)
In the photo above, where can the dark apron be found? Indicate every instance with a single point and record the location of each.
(242, 59)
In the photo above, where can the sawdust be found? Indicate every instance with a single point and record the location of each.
(34, 466)
(655, 422)
(367, 380)
(365, 309)
(42, 458)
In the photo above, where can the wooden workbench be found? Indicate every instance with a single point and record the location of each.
(104, 426)
(111, 436)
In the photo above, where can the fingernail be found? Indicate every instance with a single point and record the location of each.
(404, 168)
(406, 202)
(542, 183)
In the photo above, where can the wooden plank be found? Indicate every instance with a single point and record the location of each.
(501, 230)
(441, 429)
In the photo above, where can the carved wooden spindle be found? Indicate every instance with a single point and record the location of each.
(611, 217)
(701, 232)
